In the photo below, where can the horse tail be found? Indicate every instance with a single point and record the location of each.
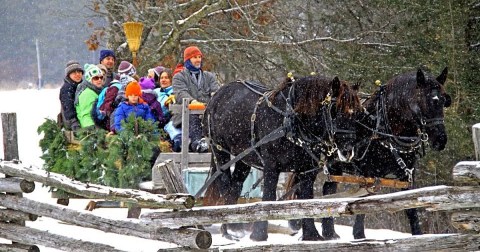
(289, 184)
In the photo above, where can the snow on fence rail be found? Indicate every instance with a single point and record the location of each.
(168, 226)
(189, 237)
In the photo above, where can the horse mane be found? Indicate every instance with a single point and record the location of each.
(403, 90)
(348, 101)
(311, 91)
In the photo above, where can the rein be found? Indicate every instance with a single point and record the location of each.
(286, 129)
(398, 144)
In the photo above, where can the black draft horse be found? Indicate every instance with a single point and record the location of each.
(400, 118)
(308, 111)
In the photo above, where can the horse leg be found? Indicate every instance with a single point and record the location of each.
(310, 232)
(412, 215)
(239, 176)
(359, 227)
(328, 228)
(294, 224)
(270, 181)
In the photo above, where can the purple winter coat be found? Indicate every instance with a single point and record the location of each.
(151, 99)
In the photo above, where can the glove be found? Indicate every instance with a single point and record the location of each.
(196, 102)
(170, 100)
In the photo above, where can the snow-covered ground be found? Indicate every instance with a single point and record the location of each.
(32, 107)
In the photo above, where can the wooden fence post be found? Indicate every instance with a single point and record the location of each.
(476, 140)
(10, 150)
(10, 141)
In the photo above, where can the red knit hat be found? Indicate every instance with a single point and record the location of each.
(133, 88)
(191, 52)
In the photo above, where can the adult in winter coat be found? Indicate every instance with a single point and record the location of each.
(73, 77)
(107, 58)
(133, 104)
(165, 97)
(86, 99)
(154, 73)
(150, 97)
(197, 85)
(165, 90)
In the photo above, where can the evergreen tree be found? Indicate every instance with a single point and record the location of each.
(121, 160)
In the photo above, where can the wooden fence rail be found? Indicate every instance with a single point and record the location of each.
(93, 191)
(189, 237)
(170, 226)
(434, 198)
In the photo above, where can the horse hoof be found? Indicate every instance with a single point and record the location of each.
(357, 237)
(258, 237)
(230, 237)
(334, 236)
(316, 237)
(295, 225)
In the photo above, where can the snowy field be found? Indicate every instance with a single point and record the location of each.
(32, 107)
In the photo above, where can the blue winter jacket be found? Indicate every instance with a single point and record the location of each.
(124, 109)
(162, 96)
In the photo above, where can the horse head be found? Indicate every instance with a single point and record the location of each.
(327, 109)
(432, 98)
(344, 116)
(415, 104)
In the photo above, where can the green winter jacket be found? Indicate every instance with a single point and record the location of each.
(86, 101)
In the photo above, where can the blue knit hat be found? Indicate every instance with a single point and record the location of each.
(105, 53)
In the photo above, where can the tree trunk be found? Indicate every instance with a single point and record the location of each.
(143, 199)
(193, 238)
(434, 198)
(33, 236)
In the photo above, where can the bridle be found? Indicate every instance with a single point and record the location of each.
(398, 144)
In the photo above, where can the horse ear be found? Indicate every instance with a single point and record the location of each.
(356, 86)
(335, 87)
(420, 78)
(443, 76)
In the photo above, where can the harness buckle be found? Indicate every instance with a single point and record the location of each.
(409, 173)
(326, 172)
(331, 149)
(424, 137)
(402, 164)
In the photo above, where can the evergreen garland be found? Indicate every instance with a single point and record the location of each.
(121, 160)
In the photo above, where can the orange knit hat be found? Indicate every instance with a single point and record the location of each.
(133, 88)
(190, 52)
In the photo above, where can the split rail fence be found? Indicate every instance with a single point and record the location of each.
(176, 226)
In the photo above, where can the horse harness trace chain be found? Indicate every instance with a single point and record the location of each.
(296, 135)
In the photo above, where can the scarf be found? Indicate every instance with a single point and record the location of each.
(196, 73)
